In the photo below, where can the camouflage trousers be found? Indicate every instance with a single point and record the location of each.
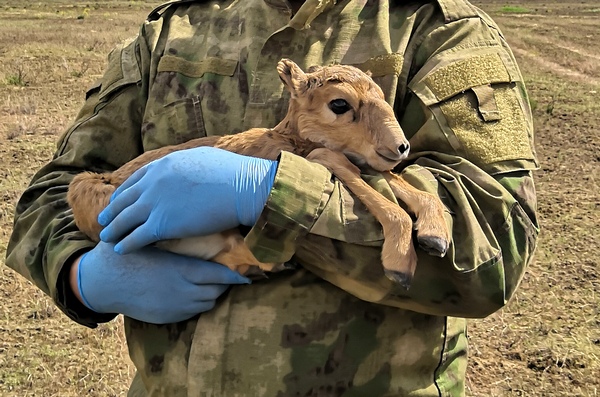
(299, 336)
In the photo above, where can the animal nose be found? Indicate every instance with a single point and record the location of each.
(404, 148)
(395, 153)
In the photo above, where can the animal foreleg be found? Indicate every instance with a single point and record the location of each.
(433, 234)
(398, 255)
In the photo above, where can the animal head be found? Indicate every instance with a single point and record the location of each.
(343, 109)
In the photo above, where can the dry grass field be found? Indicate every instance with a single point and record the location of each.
(546, 342)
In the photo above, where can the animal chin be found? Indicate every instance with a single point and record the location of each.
(386, 163)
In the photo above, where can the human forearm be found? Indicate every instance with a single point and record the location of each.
(45, 239)
(73, 269)
(338, 240)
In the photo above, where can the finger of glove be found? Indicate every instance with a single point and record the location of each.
(129, 182)
(141, 236)
(205, 272)
(128, 220)
(205, 306)
(155, 317)
(122, 197)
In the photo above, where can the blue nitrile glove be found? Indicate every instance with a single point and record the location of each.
(187, 193)
(151, 285)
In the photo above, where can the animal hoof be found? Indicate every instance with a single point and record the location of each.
(433, 245)
(404, 279)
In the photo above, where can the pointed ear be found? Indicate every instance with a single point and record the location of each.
(292, 76)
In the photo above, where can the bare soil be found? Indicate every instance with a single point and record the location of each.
(545, 342)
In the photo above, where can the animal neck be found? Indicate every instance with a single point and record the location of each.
(289, 130)
(289, 124)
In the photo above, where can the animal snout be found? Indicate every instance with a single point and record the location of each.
(395, 154)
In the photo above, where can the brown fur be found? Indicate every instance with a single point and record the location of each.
(367, 132)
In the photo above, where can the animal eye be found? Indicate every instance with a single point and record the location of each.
(339, 106)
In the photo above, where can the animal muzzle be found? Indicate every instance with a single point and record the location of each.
(397, 153)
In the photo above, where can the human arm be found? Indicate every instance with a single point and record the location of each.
(343, 239)
(46, 246)
(45, 238)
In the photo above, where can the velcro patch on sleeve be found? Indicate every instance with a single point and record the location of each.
(486, 100)
(475, 71)
(123, 69)
(383, 65)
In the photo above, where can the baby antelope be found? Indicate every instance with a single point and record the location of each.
(337, 117)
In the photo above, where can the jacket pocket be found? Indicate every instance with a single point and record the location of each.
(175, 123)
(183, 100)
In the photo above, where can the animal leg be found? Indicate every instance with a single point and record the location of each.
(238, 257)
(433, 234)
(227, 248)
(398, 255)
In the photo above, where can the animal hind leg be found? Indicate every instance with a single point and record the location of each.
(227, 248)
(237, 256)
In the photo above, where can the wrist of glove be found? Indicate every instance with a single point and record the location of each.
(187, 193)
(151, 285)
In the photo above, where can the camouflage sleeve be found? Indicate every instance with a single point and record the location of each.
(468, 119)
(44, 236)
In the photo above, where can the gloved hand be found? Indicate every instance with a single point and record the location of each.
(187, 193)
(151, 285)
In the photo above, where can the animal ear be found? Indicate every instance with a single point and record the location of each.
(292, 76)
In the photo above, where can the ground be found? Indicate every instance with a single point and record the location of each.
(546, 342)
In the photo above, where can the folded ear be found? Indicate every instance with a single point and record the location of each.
(292, 76)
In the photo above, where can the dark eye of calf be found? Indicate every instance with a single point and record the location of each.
(339, 106)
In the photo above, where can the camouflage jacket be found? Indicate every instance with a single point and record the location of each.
(337, 325)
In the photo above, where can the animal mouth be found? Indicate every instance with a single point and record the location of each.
(360, 161)
(395, 160)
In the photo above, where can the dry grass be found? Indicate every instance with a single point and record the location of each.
(43, 76)
(546, 342)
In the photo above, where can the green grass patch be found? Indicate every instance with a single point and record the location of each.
(514, 10)
(17, 79)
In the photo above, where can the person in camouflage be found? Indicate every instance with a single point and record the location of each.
(336, 325)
